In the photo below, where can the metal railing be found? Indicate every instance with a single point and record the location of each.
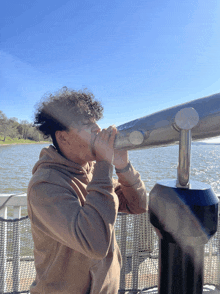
(11, 212)
(133, 253)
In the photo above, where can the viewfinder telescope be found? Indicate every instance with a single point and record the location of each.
(184, 212)
(160, 128)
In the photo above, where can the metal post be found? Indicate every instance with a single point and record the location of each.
(123, 243)
(185, 120)
(184, 157)
(3, 250)
(135, 255)
(16, 249)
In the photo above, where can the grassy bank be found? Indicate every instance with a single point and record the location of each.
(9, 140)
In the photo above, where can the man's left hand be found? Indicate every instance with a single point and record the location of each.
(120, 158)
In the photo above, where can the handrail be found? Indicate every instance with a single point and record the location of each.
(17, 200)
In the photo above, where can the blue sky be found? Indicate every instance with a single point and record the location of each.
(136, 56)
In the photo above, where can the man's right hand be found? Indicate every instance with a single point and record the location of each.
(103, 145)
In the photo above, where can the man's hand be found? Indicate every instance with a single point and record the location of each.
(120, 158)
(104, 148)
(103, 145)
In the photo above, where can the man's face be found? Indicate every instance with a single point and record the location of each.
(82, 138)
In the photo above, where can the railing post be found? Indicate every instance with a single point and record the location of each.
(3, 251)
(123, 250)
(218, 251)
(16, 248)
(135, 256)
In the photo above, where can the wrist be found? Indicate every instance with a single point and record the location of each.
(123, 169)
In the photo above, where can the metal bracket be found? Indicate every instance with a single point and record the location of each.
(185, 120)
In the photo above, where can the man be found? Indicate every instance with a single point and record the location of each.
(73, 200)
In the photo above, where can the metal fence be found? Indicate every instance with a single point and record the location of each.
(135, 235)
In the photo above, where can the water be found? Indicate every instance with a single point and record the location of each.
(17, 161)
(161, 163)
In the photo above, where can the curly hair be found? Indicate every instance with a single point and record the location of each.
(57, 112)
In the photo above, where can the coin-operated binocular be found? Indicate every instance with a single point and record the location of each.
(184, 214)
(159, 129)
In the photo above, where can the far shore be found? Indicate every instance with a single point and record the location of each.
(41, 142)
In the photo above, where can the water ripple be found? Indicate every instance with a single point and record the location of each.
(17, 161)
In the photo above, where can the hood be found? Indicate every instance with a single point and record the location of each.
(49, 157)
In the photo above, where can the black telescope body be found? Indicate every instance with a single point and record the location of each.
(185, 220)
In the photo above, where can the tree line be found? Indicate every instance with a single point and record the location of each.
(10, 127)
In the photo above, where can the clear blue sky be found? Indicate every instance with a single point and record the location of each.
(136, 56)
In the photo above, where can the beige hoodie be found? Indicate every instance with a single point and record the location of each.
(73, 211)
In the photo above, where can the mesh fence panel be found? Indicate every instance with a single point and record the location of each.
(17, 261)
(136, 238)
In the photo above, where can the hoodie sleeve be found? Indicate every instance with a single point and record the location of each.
(131, 192)
(56, 211)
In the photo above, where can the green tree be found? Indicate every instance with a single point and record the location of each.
(33, 134)
(25, 128)
(13, 127)
(3, 125)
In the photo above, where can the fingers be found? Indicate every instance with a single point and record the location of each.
(104, 143)
(112, 135)
(108, 135)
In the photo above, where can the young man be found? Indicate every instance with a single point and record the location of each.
(73, 200)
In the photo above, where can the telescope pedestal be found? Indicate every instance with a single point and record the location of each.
(185, 219)
(182, 269)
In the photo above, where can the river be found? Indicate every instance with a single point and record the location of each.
(17, 161)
